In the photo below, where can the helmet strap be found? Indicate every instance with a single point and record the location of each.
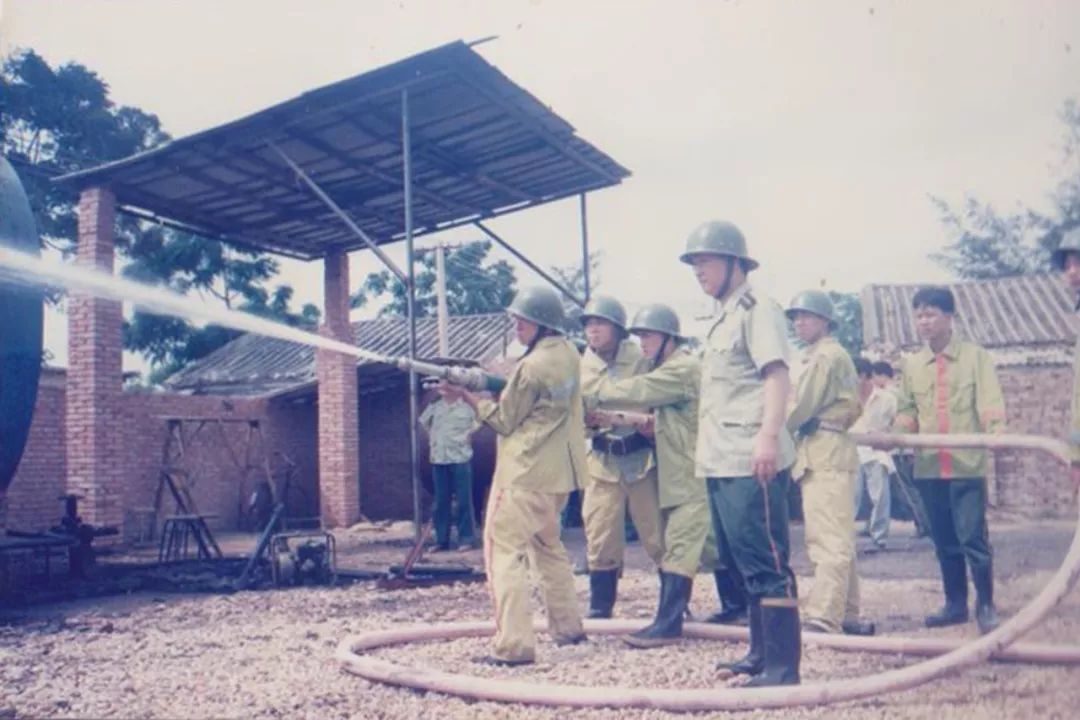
(542, 331)
(659, 358)
(726, 285)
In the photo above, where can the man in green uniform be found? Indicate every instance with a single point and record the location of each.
(539, 419)
(671, 389)
(1066, 258)
(950, 386)
(744, 450)
(618, 460)
(826, 404)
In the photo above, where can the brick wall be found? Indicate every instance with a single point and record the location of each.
(32, 500)
(139, 434)
(217, 483)
(1038, 402)
(291, 430)
(289, 425)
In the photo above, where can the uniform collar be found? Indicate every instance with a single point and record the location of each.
(950, 351)
(680, 353)
(627, 353)
(733, 299)
(821, 342)
(548, 340)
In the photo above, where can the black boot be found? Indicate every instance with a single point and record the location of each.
(661, 591)
(783, 646)
(858, 627)
(732, 599)
(667, 627)
(982, 577)
(954, 580)
(754, 660)
(602, 584)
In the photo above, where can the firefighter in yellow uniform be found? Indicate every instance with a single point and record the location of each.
(826, 462)
(671, 389)
(539, 419)
(950, 386)
(618, 460)
(1066, 259)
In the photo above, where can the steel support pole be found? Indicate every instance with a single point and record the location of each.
(343, 216)
(440, 290)
(406, 163)
(585, 248)
(529, 263)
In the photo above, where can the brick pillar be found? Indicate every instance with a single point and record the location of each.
(94, 425)
(339, 455)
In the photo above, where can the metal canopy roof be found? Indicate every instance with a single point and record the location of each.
(481, 146)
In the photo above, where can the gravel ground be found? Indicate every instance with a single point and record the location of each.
(271, 654)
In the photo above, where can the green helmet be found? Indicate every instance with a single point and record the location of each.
(540, 305)
(1070, 242)
(717, 237)
(656, 318)
(812, 301)
(607, 308)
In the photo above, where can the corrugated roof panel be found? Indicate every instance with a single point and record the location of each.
(1025, 316)
(257, 365)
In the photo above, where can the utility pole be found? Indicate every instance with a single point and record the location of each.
(443, 318)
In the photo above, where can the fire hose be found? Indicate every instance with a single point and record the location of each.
(957, 655)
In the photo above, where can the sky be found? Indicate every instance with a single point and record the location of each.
(821, 129)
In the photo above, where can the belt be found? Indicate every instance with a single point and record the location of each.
(812, 425)
(610, 445)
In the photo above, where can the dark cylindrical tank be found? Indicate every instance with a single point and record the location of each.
(20, 327)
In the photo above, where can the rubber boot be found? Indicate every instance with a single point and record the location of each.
(954, 580)
(982, 577)
(732, 599)
(754, 661)
(659, 600)
(863, 628)
(602, 585)
(783, 646)
(667, 627)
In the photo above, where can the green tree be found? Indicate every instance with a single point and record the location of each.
(54, 121)
(472, 287)
(572, 277)
(188, 263)
(848, 321)
(988, 244)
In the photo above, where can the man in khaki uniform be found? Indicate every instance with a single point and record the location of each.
(744, 451)
(950, 386)
(826, 404)
(541, 454)
(1066, 258)
(618, 460)
(671, 389)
